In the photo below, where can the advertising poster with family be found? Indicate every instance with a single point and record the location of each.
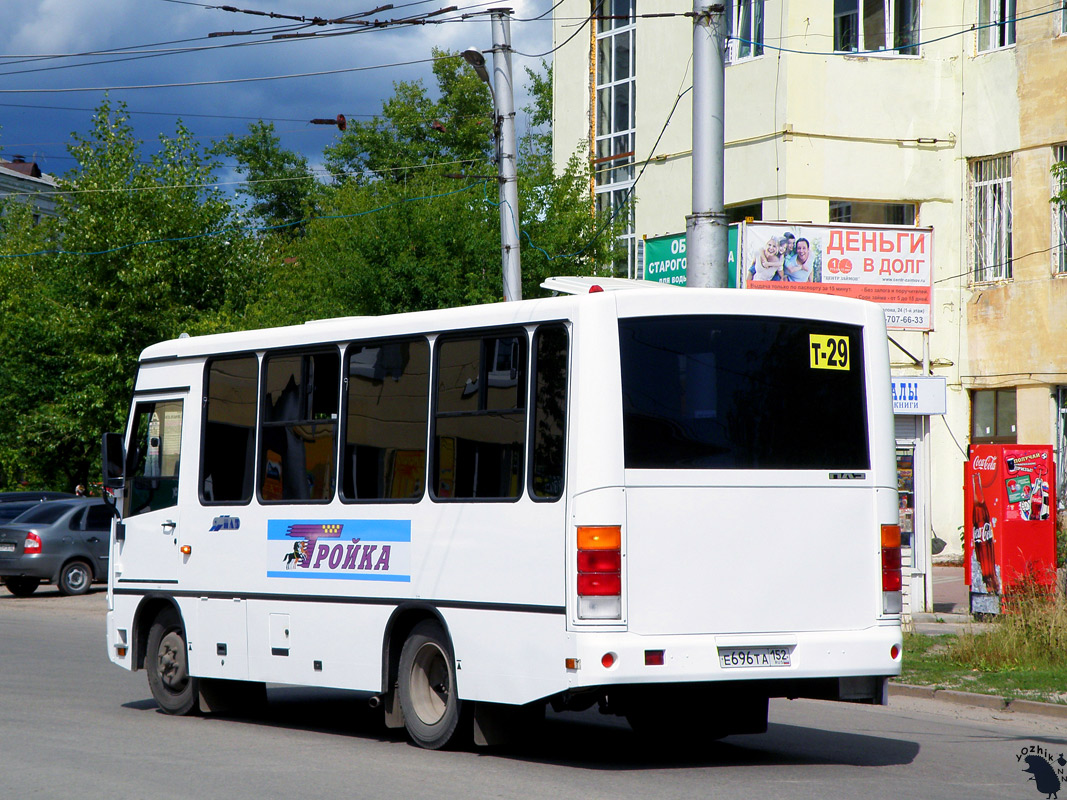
(889, 265)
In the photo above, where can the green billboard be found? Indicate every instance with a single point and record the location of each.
(665, 258)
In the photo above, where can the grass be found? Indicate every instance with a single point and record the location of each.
(1023, 654)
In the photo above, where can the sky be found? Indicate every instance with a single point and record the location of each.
(58, 59)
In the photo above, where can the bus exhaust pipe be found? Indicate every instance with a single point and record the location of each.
(374, 701)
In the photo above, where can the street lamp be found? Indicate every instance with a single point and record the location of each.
(504, 127)
(474, 57)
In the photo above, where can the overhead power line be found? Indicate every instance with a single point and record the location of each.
(224, 81)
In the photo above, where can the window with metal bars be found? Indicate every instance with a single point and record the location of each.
(991, 217)
(615, 133)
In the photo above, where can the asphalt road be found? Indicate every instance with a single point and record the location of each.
(74, 725)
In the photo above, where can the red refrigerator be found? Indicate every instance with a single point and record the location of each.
(1010, 520)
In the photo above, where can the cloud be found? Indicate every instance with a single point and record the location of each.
(39, 122)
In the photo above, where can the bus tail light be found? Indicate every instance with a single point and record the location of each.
(32, 545)
(892, 574)
(599, 572)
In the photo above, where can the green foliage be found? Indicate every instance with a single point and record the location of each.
(142, 252)
(931, 661)
(1022, 653)
(1030, 632)
(399, 232)
(415, 132)
(279, 185)
(72, 333)
(1059, 172)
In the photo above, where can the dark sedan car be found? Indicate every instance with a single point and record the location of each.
(64, 542)
(8, 511)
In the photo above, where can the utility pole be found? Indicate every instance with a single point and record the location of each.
(506, 148)
(504, 98)
(705, 229)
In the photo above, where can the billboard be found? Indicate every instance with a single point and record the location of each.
(888, 265)
(665, 259)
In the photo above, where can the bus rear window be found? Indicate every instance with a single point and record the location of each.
(740, 392)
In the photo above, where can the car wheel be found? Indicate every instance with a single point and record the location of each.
(22, 587)
(427, 687)
(167, 664)
(75, 578)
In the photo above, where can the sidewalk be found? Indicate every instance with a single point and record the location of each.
(951, 612)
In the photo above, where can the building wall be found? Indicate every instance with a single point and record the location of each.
(1015, 327)
(805, 127)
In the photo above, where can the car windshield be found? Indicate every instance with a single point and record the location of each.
(43, 514)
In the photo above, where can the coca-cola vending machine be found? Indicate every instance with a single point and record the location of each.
(1010, 526)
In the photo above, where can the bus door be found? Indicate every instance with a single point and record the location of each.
(149, 551)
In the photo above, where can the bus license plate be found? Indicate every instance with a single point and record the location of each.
(754, 657)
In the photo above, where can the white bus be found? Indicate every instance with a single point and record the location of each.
(671, 503)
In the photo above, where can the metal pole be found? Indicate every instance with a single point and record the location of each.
(706, 229)
(509, 187)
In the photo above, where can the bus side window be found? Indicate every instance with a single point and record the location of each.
(154, 456)
(227, 466)
(549, 429)
(298, 429)
(480, 417)
(387, 398)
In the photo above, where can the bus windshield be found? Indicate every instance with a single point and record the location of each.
(741, 392)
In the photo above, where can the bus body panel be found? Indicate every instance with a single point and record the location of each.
(751, 559)
(695, 658)
(711, 559)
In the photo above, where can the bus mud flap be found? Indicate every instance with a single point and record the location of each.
(394, 715)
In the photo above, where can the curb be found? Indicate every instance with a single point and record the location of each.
(990, 701)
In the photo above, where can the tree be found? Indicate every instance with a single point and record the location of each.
(399, 231)
(415, 132)
(140, 252)
(278, 183)
(144, 251)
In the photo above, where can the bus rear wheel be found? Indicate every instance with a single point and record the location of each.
(427, 687)
(167, 663)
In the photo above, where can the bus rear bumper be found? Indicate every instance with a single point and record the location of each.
(844, 665)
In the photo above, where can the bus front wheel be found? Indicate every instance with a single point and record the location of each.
(167, 663)
(427, 687)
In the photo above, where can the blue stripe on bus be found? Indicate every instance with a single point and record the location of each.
(346, 576)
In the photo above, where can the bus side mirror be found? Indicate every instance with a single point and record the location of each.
(113, 457)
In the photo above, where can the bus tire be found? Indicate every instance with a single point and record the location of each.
(427, 687)
(75, 578)
(22, 587)
(167, 664)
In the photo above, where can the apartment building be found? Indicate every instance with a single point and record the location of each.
(946, 116)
